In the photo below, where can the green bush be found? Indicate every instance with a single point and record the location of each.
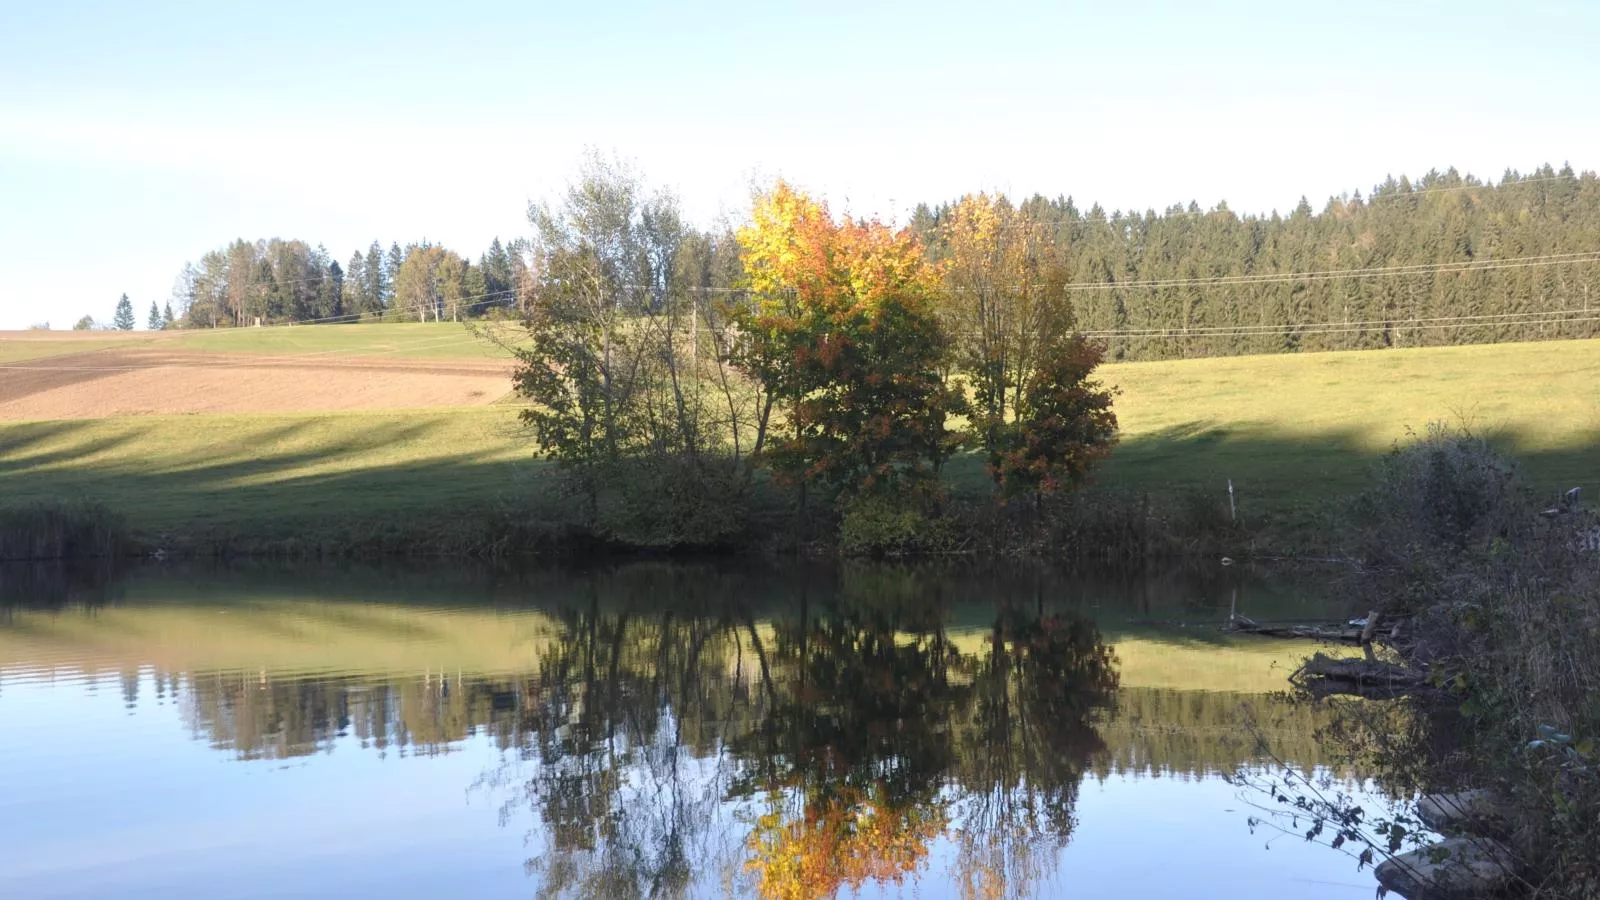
(891, 524)
(668, 503)
(61, 531)
(1446, 490)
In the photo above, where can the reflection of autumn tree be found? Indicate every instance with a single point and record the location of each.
(851, 757)
(804, 847)
(885, 737)
(1026, 739)
(625, 705)
(670, 730)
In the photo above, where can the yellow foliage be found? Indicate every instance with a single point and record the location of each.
(844, 841)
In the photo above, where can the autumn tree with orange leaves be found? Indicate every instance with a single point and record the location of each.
(1039, 414)
(1064, 423)
(842, 331)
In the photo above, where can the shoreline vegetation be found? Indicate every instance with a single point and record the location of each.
(1484, 697)
(1091, 528)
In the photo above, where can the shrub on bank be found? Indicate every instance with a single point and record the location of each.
(1502, 604)
(669, 503)
(881, 524)
(60, 531)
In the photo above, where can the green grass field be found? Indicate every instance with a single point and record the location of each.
(402, 340)
(1296, 431)
(1293, 432)
(273, 473)
(415, 340)
(16, 351)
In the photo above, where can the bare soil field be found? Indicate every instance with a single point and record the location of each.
(152, 381)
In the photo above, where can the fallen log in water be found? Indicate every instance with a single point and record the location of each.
(1342, 634)
(1323, 674)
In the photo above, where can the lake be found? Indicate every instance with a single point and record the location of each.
(651, 729)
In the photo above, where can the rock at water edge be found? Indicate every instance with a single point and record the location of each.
(1454, 869)
(1470, 810)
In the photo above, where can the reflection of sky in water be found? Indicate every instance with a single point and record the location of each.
(98, 800)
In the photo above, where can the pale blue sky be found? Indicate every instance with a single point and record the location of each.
(135, 136)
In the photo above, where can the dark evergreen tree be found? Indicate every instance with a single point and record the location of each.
(355, 286)
(123, 319)
(495, 268)
(155, 322)
(332, 302)
(393, 263)
(376, 295)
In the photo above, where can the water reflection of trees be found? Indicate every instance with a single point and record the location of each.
(850, 734)
(821, 740)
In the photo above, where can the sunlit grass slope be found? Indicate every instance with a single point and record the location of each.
(16, 350)
(441, 340)
(247, 473)
(1295, 429)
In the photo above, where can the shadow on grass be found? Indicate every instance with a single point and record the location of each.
(261, 486)
(1273, 472)
(265, 488)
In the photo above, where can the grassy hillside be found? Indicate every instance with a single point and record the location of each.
(1293, 432)
(443, 340)
(270, 474)
(446, 340)
(16, 348)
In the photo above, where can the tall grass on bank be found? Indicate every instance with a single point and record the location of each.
(60, 531)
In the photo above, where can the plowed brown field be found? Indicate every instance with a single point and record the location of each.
(116, 382)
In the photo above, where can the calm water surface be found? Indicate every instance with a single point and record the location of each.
(647, 730)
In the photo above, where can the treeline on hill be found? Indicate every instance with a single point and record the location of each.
(1447, 259)
(275, 281)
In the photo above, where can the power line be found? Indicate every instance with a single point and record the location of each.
(1338, 328)
(1513, 262)
(1393, 322)
(1510, 262)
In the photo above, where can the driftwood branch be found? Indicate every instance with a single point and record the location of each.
(1323, 674)
(1367, 631)
(1341, 634)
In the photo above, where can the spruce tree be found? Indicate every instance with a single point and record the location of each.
(396, 259)
(154, 322)
(167, 318)
(495, 266)
(355, 285)
(376, 295)
(123, 320)
(332, 298)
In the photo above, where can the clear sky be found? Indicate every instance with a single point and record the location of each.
(136, 136)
